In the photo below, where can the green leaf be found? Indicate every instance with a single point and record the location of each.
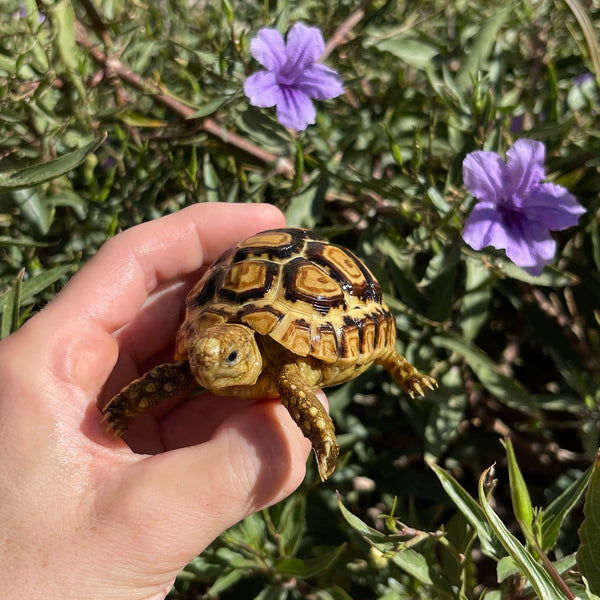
(473, 513)
(296, 567)
(544, 586)
(374, 537)
(212, 183)
(588, 556)
(407, 559)
(551, 277)
(251, 531)
(63, 16)
(11, 302)
(38, 283)
(506, 567)
(225, 581)
(291, 523)
(211, 107)
(475, 305)
(411, 51)
(519, 493)
(505, 389)
(30, 176)
(31, 287)
(482, 45)
(35, 210)
(589, 31)
(551, 518)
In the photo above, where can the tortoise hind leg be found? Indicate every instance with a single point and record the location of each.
(408, 377)
(155, 387)
(310, 416)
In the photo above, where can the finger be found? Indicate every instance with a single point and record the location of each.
(256, 458)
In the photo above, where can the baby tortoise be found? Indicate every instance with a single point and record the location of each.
(281, 314)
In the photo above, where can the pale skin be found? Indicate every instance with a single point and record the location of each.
(79, 509)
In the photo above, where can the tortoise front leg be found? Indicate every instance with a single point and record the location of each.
(309, 414)
(155, 387)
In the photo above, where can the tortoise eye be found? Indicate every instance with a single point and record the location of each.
(232, 358)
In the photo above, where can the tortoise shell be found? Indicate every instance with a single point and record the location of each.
(313, 297)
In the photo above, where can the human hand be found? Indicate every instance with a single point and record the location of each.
(81, 514)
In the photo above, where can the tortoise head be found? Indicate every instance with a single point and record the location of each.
(225, 355)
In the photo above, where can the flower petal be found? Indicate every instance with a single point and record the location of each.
(527, 243)
(484, 228)
(268, 48)
(262, 89)
(304, 46)
(295, 109)
(482, 174)
(533, 248)
(553, 206)
(320, 83)
(524, 167)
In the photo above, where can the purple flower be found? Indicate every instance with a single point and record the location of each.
(516, 211)
(293, 76)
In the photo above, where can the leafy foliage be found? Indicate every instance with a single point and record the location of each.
(517, 357)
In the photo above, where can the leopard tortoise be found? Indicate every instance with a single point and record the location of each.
(281, 314)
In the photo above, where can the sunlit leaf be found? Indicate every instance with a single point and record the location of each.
(544, 586)
(482, 44)
(519, 493)
(551, 518)
(406, 558)
(11, 303)
(30, 176)
(472, 512)
(588, 557)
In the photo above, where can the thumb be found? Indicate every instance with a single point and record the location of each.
(178, 502)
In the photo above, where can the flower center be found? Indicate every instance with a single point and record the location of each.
(285, 79)
(511, 216)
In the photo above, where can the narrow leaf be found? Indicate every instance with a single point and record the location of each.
(212, 183)
(475, 307)
(540, 580)
(519, 493)
(588, 556)
(292, 523)
(295, 567)
(225, 581)
(63, 15)
(11, 302)
(482, 45)
(40, 282)
(406, 558)
(551, 518)
(505, 389)
(473, 513)
(412, 51)
(30, 176)
(373, 536)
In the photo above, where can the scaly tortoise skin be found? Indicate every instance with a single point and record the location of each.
(281, 314)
